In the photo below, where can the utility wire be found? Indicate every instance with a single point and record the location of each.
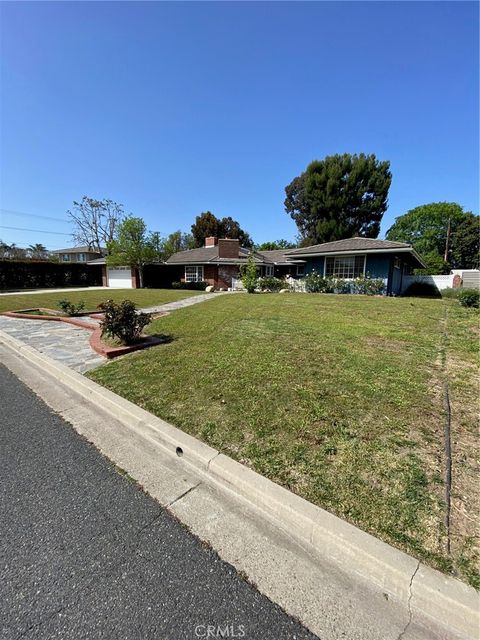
(55, 233)
(32, 215)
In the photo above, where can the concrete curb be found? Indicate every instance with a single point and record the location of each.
(424, 591)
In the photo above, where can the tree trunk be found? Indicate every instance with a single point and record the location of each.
(140, 277)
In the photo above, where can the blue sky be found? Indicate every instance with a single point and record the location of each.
(176, 108)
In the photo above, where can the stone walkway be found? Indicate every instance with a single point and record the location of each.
(186, 302)
(63, 342)
(70, 344)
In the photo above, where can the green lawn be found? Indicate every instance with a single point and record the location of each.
(142, 297)
(338, 398)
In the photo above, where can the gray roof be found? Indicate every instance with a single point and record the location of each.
(205, 255)
(97, 261)
(78, 250)
(275, 256)
(349, 244)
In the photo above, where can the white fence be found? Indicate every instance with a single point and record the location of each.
(440, 282)
(237, 285)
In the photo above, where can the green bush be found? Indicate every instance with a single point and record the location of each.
(315, 283)
(469, 298)
(249, 274)
(269, 283)
(70, 308)
(368, 286)
(449, 292)
(190, 286)
(122, 321)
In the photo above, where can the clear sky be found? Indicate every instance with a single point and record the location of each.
(177, 108)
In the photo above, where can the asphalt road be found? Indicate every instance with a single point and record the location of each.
(84, 553)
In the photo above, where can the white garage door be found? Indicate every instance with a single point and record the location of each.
(119, 277)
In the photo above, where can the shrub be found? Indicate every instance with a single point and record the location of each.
(469, 298)
(70, 308)
(449, 292)
(422, 290)
(270, 283)
(122, 321)
(368, 286)
(249, 275)
(315, 283)
(190, 286)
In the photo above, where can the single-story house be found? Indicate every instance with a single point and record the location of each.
(77, 254)
(218, 263)
(357, 257)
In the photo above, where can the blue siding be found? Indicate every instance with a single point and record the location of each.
(314, 264)
(378, 266)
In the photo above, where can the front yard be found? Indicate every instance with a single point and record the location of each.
(142, 297)
(338, 398)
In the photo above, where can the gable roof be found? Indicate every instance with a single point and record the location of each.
(209, 255)
(349, 244)
(78, 250)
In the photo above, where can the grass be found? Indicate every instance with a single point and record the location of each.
(338, 398)
(142, 297)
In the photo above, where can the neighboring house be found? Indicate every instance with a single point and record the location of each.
(357, 257)
(218, 263)
(77, 254)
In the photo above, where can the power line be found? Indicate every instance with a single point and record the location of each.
(56, 233)
(32, 215)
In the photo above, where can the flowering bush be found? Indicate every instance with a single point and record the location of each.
(122, 321)
(269, 283)
(316, 283)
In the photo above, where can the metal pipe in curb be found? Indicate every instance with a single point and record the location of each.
(427, 592)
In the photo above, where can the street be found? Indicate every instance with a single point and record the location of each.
(85, 553)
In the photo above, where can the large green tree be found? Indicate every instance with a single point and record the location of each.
(442, 232)
(466, 243)
(339, 197)
(132, 246)
(207, 224)
(177, 241)
(275, 244)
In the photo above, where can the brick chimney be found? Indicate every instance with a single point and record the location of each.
(228, 248)
(211, 241)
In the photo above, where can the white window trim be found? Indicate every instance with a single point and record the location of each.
(198, 269)
(65, 257)
(82, 257)
(344, 256)
(268, 270)
(301, 270)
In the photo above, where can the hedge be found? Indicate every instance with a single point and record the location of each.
(37, 274)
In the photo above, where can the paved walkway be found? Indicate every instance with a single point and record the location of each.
(186, 302)
(63, 342)
(70, 344)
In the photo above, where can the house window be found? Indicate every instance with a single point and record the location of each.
(268, 270)
(82, 257)
(300, 270)
(65, 257)
(193, 274)
(345, 266)
(397, 263)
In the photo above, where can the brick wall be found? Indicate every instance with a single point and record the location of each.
(228, 248)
